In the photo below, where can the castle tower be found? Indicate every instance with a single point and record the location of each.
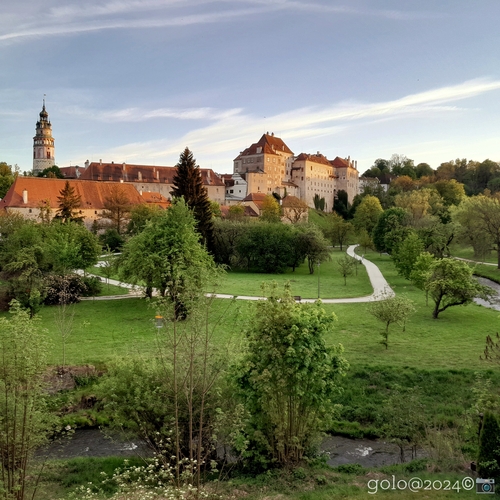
(43, 143)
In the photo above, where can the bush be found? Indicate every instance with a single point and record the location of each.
(93, 286)
(64, 289)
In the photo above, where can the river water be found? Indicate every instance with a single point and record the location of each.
(493, 302)
(341, 450)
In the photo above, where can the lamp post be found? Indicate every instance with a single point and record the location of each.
(318, 276)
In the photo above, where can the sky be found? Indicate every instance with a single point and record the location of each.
(137, 81)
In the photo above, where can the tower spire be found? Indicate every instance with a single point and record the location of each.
(43, 143)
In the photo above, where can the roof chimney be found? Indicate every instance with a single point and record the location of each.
(124, 167)
(87, 163)
(25, 196)
(100, 162)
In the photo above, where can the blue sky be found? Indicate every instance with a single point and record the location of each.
(138, 80)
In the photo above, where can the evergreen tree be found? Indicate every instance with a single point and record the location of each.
(489, 448)
(69, 203)
(188, 183)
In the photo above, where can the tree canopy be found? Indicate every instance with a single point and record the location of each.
(188, 183)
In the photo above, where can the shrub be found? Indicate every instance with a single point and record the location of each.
(64, 289)
(93, 286)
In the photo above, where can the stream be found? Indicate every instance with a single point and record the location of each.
(341, 450)
(493, 302)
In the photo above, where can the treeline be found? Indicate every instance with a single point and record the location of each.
(268, 247)
(38, 262)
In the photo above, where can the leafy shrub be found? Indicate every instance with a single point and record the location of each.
(93, 286)
(63, 289)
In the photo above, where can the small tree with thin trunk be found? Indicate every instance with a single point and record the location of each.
(346, 265)
(392, 310)
(24, 421)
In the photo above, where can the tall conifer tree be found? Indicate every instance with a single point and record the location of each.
(69, 203)
(188, 183)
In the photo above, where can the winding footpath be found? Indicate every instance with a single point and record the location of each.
(381, 289)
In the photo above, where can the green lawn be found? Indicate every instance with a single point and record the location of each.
(331, 283)
(103, 329)
(466, 252)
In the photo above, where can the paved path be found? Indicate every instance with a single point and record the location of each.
(476, 262)
(381, 288)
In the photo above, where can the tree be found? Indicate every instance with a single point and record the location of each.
(267, 247)
(7, 178)
(294, 209)
(117, 209)
(69, 204)
(489, 448)
(452, 192)
(406, 254)
(236, 212)
(391, 228)
(288, 378)
(168, 255)
(423, 170)
(139, 216)
(319, 203)
(392, 310)
(188, 183)
(313, 245)
(271, 211)
(24, 421)
(367, 214)
(480, 216)
(69, 247)
(421, 271)
(346, 265)
(450, 283)
(404, 420)
(53, 172)
(338, 230)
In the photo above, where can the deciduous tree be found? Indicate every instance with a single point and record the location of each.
(450, 283)
(367, 214)
(392, 310)
(24, 421)
(288, 378)
(117, 209)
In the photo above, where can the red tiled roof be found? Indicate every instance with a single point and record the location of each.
(316, 158)
(155, 199)
(340, 162)
(40, 189)
(269, 144)
(255, 197)
(141, 173)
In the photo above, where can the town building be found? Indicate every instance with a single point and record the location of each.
(29, 195)
(144, 178)
(43, 143)
(269, 166)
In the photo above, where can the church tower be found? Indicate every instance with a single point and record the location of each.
(43, 143)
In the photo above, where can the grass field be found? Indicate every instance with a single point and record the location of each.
(103, 329)
(331, 283)
(466, 252)
(439, 356)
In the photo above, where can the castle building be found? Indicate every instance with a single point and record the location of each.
(43, 143)
(269, 166)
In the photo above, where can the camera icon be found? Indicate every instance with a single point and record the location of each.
(485, 486)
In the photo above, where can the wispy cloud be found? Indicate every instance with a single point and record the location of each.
(229, 131)
(63, 19)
